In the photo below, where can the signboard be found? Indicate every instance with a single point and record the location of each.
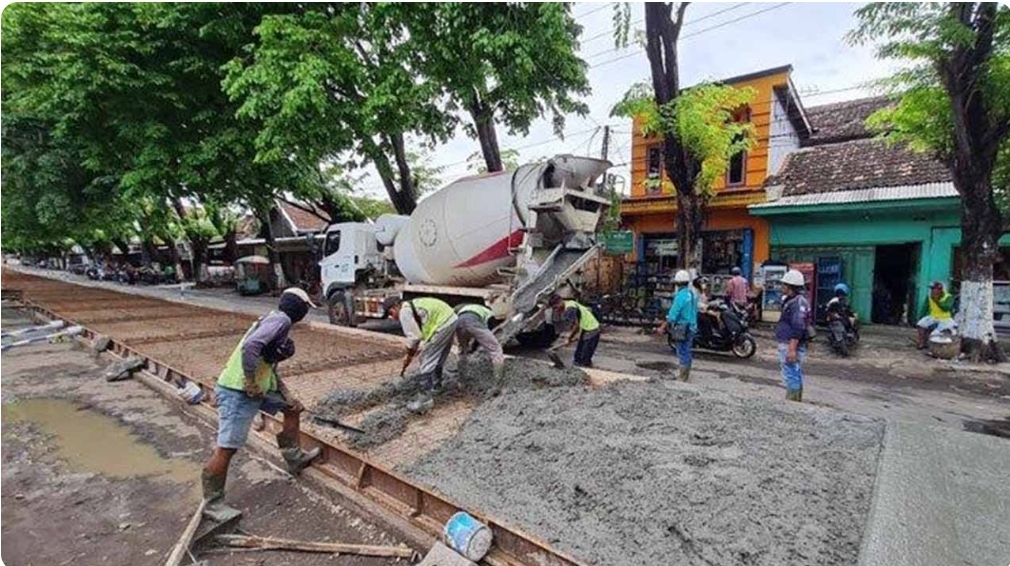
(618, 243)
(661, 247)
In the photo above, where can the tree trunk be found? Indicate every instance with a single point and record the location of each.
(688, 229)
(279, 279)
(403, 203)
(981, 226)
(405, 178)
(483, 122)
(150, 251)
(124, 247)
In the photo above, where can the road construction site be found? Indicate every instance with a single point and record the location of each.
(596, 467)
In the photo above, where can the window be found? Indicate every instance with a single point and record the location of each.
(654, 172)
(332, 242)
(737, 173)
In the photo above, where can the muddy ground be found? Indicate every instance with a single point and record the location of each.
(663, 473)
(99, 473)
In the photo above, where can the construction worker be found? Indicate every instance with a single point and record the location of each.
(429, 324)
(585, 328)
(937, 313)
(249, 384)
(791, 333)
(683, 318)
(473, 328)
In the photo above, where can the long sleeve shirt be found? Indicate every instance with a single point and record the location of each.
(792, 325)
(684, 309)
(736, 290)
(272, 331)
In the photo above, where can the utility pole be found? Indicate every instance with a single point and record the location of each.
(605, 147)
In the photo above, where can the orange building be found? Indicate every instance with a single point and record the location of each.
(730, 236)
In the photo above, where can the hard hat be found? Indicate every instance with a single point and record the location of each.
(682, 276)
(736, 271)
(842, 288)
(793, 278)
(301, 294)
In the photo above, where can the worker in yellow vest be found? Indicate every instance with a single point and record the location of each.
(249, 384)
(937, 313)
(430, 325)
(473, 329)
(585, 328)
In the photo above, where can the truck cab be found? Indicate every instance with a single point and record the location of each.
(349, 250)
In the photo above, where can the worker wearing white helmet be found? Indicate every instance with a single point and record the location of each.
(791, 333)
(249, 384)
(682, 322)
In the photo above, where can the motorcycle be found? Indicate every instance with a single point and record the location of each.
(842, 337)
(730, 336)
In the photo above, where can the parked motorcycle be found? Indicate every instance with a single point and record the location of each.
(729, 336)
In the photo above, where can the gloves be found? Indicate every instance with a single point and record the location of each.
(279, 352)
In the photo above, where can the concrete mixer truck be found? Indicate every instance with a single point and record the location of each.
(507, 240)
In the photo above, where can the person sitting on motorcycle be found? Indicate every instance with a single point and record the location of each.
(708, 317)
(838, 307)
(737, 289)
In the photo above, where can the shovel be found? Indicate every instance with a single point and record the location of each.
(336, 424)
(552, 354)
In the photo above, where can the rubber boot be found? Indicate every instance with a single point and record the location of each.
(499, 381)
(295, 458)
(799, 394)
(792, 395)
(213, 487)
(684, 373)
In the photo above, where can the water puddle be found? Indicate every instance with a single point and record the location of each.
(90, 441)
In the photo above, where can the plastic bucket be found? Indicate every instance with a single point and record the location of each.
(468, 536)
(192, 393)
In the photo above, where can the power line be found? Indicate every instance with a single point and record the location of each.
(640, 20)
(694, 34)
(593, 11)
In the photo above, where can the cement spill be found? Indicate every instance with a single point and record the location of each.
(93, 442)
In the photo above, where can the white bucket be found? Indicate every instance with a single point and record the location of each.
(468, 536)
(192, 393)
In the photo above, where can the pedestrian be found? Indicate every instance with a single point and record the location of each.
(682, 322)
(791, 333)
(249, 384)
(473, 330)
(937, 314)
(584, 328)
(737, 289)
(429, 324)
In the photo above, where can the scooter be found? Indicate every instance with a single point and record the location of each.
(842, 337)
(731, 336)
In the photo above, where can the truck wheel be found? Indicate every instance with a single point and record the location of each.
(340, 310)
(540, 338)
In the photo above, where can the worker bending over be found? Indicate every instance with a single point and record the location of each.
(249, 384)
(585, 328)
(429, 324)
(473, 330)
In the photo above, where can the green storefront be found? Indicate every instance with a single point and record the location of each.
(891, 242)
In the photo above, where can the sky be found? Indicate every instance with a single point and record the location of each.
(718, 40)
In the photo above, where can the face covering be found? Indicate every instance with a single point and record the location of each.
(295, 308)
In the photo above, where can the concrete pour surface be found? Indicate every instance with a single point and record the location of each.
(663, 473)
(942, 497)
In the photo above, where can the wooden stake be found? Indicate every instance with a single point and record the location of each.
(270, 543)
(181, 547)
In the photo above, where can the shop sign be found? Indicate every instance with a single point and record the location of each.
(618, 243)
(661, 248)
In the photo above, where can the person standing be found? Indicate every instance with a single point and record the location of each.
(791, 333)
(430, 325)
(473, 326)
(737, 289)
(682, 322)
(584, 328)
(249, 384)
(937, 313)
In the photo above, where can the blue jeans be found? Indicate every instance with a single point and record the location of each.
(684, 354)
(792, 374)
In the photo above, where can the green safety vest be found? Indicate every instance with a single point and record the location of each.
(233, 377)
(481, 311)
(439, 313)
(587, 322)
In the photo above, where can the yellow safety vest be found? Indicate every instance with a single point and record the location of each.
(587, 322)
(481, 311)
(233, 377)
(936, 312)
(439, 313)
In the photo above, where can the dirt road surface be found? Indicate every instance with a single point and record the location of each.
(100, 473)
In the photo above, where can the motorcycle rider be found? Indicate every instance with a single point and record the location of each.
(683, 312)
(737, 289)
(838, 307)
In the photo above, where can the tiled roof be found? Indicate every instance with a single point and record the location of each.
(856, 164)
(879, 194)
(842, 121)
(303, 221)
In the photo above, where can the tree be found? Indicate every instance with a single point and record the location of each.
(953, 101)
(510, 62)
(697, 124)
(509, 161)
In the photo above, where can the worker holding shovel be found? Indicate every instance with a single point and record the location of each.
(249, 384)
(585, 329)
(473, 330)
(430, 325)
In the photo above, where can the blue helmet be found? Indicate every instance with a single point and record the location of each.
(842, 288)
